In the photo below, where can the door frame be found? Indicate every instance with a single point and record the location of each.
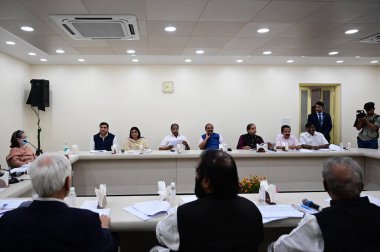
(335, 107)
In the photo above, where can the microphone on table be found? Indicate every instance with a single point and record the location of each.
(311, 204)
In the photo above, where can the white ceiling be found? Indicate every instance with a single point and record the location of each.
(301, 30)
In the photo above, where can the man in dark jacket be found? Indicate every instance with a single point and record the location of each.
(219, 220)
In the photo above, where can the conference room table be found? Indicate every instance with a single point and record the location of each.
(138, 235)
(21, 189)
(131, 173)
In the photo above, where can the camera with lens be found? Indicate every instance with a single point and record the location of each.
(360, 114)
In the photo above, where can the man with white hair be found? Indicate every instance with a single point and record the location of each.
(48, 224)
(351, 223)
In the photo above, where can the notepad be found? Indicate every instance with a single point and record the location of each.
(279, 211)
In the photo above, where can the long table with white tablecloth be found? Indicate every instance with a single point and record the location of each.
(137, 174)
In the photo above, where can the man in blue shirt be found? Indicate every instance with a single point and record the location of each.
(210, 140)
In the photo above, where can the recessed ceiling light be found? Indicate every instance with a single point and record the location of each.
(267, 52)
(333, 53)
(339, 61)
(27, 28)
(170, 29)
(239, 61)
(10, 43)
(303, 56)
(43, 60)
(357, 57)
(81, 60)
(131, 51)
(59, 51)
(289, 61)
(199, 52)
(135, 60)
(188, 60)
(351, 31)
(32, 54)
(263, 30)
(374, 61)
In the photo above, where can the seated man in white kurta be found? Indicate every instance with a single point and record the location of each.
(312, 139)
(171, 141)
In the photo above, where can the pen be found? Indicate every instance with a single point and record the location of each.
(306, 207)
(299, 208)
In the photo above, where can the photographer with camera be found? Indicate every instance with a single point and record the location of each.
(368, 123)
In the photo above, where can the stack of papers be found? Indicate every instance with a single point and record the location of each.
(92, 205)
(149, 209)
(277, 212)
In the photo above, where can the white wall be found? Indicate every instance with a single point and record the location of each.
(230, 97)
(14, 77)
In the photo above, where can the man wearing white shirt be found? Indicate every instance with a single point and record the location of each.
(351, 223)
(313, 140)
(171, 141)
(286, 139)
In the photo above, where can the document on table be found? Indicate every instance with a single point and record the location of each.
(188, 198)
(148, 209)
(279, 211)
(92, 205)
(8, 204)
(23, 168)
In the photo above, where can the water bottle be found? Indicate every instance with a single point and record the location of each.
(341, 147)
(173, 191)
(72, 197)
(65, 148)
(349, 146)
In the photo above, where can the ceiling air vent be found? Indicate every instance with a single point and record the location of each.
(86, 27)
(372, 39)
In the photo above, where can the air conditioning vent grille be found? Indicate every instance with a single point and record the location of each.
(99, 27)
(372, 39)
(99, 30)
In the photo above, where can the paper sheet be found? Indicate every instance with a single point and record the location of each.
(188, 198)
(153, 207)
(279, 211)
(92, 205)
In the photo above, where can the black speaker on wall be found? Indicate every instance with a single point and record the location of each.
(39, 94)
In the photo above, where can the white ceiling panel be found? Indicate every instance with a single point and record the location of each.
(208, 52)
(250, 29)
(225, 29)
(167, 42)
(251, 43)
(199, 42)
(217, 29)
(117, 7)
(184, 28)
(231, 11)
(309, 31)
(180, 10)
(340, 12)
(287, 11)
(13, 10)
(95, 50)
(44, 8)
